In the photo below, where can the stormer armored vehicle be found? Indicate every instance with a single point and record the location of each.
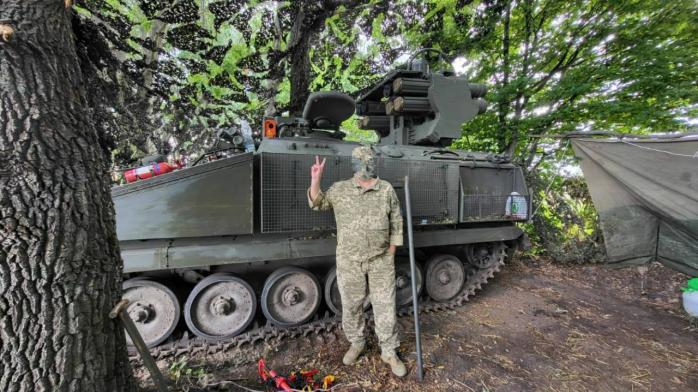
(227, 250)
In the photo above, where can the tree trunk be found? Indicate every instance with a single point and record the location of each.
(300, 76)
(504, 102)
(60, 270)
(309, 20)
(300, 63)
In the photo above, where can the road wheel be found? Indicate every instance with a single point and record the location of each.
(154, 309)
(445, 276)
(290, 296)
(220, 306)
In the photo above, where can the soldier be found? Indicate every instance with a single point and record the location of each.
(369, 228)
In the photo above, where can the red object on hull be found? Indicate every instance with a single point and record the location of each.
(143, 172)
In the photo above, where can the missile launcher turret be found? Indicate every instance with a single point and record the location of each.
(416, 106)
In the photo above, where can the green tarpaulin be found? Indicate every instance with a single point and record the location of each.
(646, 194)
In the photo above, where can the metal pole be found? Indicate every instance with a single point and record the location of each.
(120, 311)
(413, 271)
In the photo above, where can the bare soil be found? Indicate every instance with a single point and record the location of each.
(536, 327)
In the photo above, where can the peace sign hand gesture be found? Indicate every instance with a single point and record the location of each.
(317, 169)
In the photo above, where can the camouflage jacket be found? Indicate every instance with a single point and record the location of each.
(368, 220)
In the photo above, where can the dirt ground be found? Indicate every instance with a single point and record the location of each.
(537, 327)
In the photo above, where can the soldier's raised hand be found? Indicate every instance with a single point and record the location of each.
(317, 169)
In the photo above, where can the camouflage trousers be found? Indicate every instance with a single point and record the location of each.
(374, 276)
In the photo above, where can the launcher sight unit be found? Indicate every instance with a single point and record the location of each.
(416, 106)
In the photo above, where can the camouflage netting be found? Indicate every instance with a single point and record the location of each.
(646, 194)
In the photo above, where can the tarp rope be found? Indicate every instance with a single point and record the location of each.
(550, 184)
(695, 155)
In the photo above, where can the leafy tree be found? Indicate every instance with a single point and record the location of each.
(585, 65)
(188, 67)
(558, 67)
(166, 73)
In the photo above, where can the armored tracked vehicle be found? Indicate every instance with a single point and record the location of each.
(227, 251)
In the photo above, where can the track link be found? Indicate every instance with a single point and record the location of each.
(327, 323)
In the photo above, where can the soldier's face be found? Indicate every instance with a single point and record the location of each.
(364, 168)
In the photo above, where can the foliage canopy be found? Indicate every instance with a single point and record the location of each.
(553, 66)
(166, 74)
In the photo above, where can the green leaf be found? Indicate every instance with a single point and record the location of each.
(283, 96)
(377, 28)
(227, 35)
(198, 78)
(82, 12)
(206, 18)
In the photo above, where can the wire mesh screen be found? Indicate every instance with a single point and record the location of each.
(491, 194)
(433, 187)
(285, 179)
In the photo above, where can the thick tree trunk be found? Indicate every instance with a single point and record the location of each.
(300, 76)
(300, 61)
(309, 20)
(60, 270)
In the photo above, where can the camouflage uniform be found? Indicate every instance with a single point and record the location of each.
(368, 221)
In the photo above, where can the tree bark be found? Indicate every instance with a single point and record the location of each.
(300, 62)
(60, 269)
(309, 20)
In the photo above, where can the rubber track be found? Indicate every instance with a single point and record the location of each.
(327, 323)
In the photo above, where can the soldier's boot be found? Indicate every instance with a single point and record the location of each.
(395, 363)
(353, 353)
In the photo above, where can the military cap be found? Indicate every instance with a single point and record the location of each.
(363, 153)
